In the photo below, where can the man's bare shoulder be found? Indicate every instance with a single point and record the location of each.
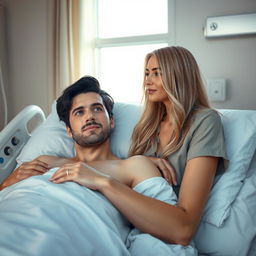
(140, 167)
(138, 159)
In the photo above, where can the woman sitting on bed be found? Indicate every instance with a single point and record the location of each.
(178, 130)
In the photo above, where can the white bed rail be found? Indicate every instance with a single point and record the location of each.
(14, 136)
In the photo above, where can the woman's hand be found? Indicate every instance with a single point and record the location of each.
(24, 171)
(80, 173)
(165, 168)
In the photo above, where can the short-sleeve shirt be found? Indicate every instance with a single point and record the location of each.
(204, 138)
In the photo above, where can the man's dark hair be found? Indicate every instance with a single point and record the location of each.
(84, 85)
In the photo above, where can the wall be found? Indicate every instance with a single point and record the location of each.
(231, 58)
(3, 63)
(30, 65)
(28, 54)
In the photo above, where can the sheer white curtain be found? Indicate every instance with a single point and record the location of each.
(69, 42)
(66, 43)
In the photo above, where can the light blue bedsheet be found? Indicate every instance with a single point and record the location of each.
(40, 218)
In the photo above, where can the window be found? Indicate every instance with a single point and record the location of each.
(126, 31)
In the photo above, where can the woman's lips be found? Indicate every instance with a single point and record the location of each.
(151, 91)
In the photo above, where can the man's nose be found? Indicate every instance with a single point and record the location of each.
(90, 116)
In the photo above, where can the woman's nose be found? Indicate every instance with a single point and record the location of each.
(148, 80)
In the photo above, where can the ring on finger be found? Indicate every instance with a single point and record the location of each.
(67, 172)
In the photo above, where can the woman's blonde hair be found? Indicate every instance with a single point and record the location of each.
(183, 84)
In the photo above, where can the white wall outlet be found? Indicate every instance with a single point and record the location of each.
(216, 89)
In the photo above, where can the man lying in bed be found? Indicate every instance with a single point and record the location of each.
(87, 112)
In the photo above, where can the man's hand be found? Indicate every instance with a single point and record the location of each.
(80, 173)
(24, 171)
(165, 168)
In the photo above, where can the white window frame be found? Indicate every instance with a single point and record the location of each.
(91, 45)
(168, 37)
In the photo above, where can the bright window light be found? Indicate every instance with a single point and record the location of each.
(117, 35)
(121, 71)
(119, 18)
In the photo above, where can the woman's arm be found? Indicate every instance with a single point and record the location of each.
(173, 224)
(164, 166)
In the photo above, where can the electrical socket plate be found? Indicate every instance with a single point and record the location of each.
(216, 89)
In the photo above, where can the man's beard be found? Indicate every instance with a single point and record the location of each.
(92, 140)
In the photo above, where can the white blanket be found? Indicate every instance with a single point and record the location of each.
(40, 218)
(141, 244)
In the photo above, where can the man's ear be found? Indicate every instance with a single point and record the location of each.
(68, 129)
(112, 122)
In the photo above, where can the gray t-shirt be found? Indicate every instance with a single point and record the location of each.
(204, 138)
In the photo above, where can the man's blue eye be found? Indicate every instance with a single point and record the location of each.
(97, 109)
(79, 113)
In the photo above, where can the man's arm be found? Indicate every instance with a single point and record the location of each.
(24, 171)
(38, 166)
(130, 171)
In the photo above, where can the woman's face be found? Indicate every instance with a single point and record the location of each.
(153, 82)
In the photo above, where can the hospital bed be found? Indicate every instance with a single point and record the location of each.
(228, 225)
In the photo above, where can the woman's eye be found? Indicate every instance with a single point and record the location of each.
(157, 74)
(153, 74)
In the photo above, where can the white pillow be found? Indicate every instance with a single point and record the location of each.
(51, 137)
(240, 140)
(237, 235)
(240, 135)
(126, 116)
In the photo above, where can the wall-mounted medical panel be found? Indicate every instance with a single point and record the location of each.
(232, 25)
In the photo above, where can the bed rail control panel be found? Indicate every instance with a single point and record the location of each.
(14, 136)
(10, 148)
(7, 151)
(15, 141)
